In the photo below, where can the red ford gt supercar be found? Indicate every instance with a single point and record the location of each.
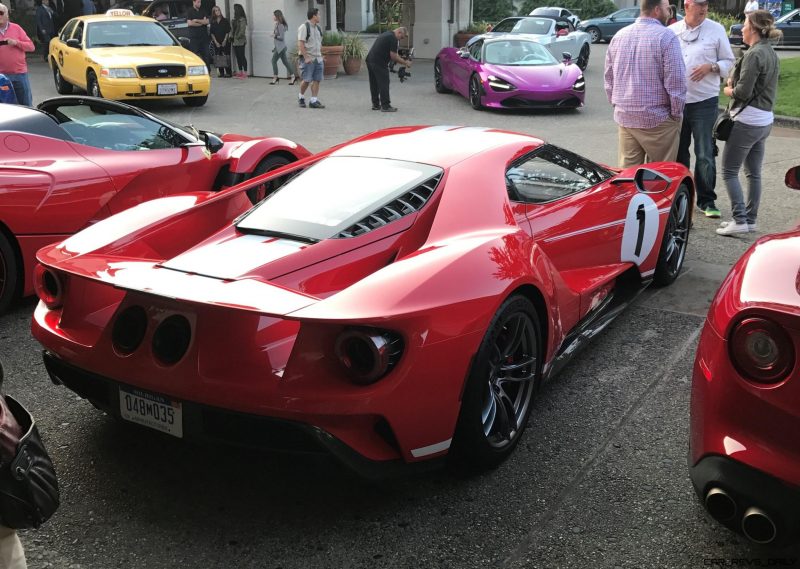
(77, 160)
(745, 460)
(398, 300)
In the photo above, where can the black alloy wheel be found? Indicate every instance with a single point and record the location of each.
(437, 78)
(499, 389)
(475, 93)
(267, 165)
(675, 240)
(583, 58)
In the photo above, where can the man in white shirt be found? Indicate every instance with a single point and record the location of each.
(751, 6)
(708, 58)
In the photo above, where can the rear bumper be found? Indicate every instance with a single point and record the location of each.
(204, 423)
(749, 487)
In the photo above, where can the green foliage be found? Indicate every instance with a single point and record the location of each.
(492, 10)
(787, 102)
(726, 20)
(354, 47)
(585, 9)
(476, 27)
(331, 37)
(388, 15)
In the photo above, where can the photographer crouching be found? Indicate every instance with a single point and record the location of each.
(382, 52)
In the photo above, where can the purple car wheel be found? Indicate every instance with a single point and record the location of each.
(475, 93)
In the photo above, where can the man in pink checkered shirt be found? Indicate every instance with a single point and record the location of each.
(645, 81)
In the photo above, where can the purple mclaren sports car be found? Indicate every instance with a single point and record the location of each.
(509, 72)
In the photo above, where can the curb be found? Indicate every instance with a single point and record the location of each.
(781, 120)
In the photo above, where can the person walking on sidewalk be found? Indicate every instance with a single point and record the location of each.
(645, 82)
(752, 86)
(279, 51)
(708, 58)
(382, 52)
(239, 35)
(14, 43)
(309, 46)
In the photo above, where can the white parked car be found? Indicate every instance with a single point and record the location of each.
(556, 12)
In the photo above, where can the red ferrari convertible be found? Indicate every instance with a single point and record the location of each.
(398, 300)
(76, 160)
(745, 458)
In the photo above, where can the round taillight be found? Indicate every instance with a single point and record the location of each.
(171, 339)
(761, 350)
(129, 329)
(48, 286)
(368, 355)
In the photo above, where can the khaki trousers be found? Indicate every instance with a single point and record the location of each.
(657, 144)
(11, 554)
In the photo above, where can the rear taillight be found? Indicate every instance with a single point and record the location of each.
(761, 350)
(368, 355)
(48, 286)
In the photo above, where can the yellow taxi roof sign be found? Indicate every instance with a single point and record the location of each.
(119, 12)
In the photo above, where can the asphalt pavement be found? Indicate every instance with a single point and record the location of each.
(599, 480)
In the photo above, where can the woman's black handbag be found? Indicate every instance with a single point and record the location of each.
(28, 483)
(723, 125)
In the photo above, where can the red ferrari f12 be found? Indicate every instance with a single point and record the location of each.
(398, 300)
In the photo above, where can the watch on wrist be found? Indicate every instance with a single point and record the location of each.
(715, 67)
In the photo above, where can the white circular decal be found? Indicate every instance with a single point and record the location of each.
(641, 229)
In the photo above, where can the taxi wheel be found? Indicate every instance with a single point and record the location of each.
(62, 86)
(195, 101)
(92, 86)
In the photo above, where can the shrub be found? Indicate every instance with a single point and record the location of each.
(331, 37)
(475, 28)
(492, 10)
(725, 19)
(354, 47)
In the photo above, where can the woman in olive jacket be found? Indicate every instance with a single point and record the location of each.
(752, 87)
(239, 34)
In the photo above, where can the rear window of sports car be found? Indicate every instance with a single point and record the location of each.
(333, 194)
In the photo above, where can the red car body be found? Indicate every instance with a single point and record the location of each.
(279, 329)
(745, 412)
(63, 168)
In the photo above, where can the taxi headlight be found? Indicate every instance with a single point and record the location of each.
(198, 70)
(119, 73)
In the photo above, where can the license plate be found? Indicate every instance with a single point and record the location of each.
(151, 410)
(167, 89)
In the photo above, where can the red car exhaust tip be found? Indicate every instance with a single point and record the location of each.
(761, 350)
(48, 286)
(368, 355)
(758, 526)
(720, 504)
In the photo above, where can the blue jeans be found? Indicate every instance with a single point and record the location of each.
(22, 88)
(698, 123)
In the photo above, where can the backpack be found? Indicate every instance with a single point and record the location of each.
(308, 30)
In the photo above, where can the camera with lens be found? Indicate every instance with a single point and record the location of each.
(402, 71)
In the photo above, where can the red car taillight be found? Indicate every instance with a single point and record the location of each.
(48, 286)
(368, 355)
(761, 350)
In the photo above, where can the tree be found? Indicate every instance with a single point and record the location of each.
(491, 10)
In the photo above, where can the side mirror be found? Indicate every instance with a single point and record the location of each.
(793, 178)
(185, 42)
(650, 182)
(213, 142)
(562, 32)
(74, 43)
(567, 57)
(463, 54)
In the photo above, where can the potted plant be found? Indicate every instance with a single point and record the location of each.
(353, 52)
(475, 28)
(331, 53)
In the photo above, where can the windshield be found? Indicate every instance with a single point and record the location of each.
(517, 52)
(127, 33)
(333, 194)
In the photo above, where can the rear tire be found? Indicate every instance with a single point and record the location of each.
(92, 86)
(675, 239)
(62, 87)
(9, 274)
(499, 389)
(268, 164)
(195, 101)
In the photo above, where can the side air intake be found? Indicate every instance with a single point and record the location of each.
(407, 203)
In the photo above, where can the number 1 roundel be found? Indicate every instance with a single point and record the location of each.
(641, 229)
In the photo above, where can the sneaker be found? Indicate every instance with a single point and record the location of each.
(733, 228)
(389, 109)
(711, 211)
(751, 227)
(315, 105)
(302, 102)
(376, 107)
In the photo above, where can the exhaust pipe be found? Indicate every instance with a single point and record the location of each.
(720, 505)
(758, 526)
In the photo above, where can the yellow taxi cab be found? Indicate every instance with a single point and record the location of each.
(118, 56)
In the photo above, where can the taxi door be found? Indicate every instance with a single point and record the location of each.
(71, 58)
